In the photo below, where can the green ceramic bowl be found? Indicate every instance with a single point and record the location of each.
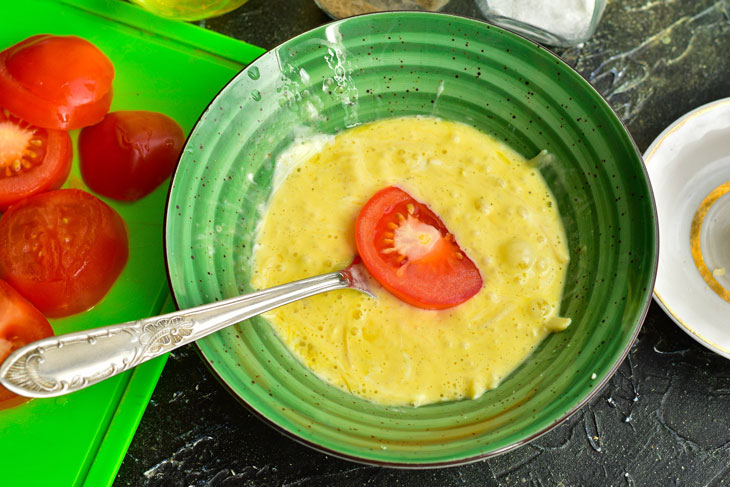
(382, 65)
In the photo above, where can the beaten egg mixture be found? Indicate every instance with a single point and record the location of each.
(492, 200)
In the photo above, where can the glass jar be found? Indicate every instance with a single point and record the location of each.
(338, 9)
(189, 9)
(562, 23)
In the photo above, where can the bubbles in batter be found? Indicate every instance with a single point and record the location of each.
(491, 199)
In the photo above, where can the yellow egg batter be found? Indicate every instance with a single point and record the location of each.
(493, 201)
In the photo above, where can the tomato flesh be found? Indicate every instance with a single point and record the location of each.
(32, 159)
(62, 250)
(410, 252)
(129, 153)
(56, 82)
(20, 324)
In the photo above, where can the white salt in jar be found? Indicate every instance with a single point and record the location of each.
(553, 22)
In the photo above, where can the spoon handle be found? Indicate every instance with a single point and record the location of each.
(62, 364)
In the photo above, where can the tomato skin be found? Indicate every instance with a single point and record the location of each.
(62, 250)
(437, 278)
(20, 324)
(56, 82)
(129, 153)
(47, 152)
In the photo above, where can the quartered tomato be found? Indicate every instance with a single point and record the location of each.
(20, 324)
(62, 250)
(129, 153)
(32, 159)
(56, 82)
(409, 251)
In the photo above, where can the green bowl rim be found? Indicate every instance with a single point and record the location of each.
(461, 461)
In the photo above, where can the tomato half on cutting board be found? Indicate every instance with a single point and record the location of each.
(62, 250)
(57, 82)
(20, 324)
(411, 253)
(129, 153)
(32, 159)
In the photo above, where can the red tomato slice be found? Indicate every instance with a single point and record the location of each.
(62, 250)
(32, 159)
(409, 251)
(20, 324)
(56, 82)
(129, 153)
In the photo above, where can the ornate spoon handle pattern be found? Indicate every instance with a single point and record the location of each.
(66, 363)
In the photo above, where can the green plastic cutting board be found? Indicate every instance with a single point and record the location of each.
(166, 66)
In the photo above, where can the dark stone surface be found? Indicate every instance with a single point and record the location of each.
(663, 419)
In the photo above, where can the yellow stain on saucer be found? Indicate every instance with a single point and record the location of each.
(493, 201)
(695, 244)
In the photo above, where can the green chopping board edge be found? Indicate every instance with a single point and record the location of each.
(161, 65)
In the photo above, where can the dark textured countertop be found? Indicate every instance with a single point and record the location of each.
(663, 419)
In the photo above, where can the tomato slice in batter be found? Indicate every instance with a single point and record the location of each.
(20, 324)
(32, 159)
(409, 251)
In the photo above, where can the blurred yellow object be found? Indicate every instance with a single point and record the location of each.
(339, 9)
(189, 9)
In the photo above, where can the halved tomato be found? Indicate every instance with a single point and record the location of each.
(32, 159)
(129, 153)
(409, 251)
(62, 250)
(56, 82)
(20, 324)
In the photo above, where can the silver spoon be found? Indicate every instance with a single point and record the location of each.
(67, 363)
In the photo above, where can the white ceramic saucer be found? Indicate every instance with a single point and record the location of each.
(689, 169)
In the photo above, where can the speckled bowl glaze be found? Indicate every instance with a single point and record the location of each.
(382, 65)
